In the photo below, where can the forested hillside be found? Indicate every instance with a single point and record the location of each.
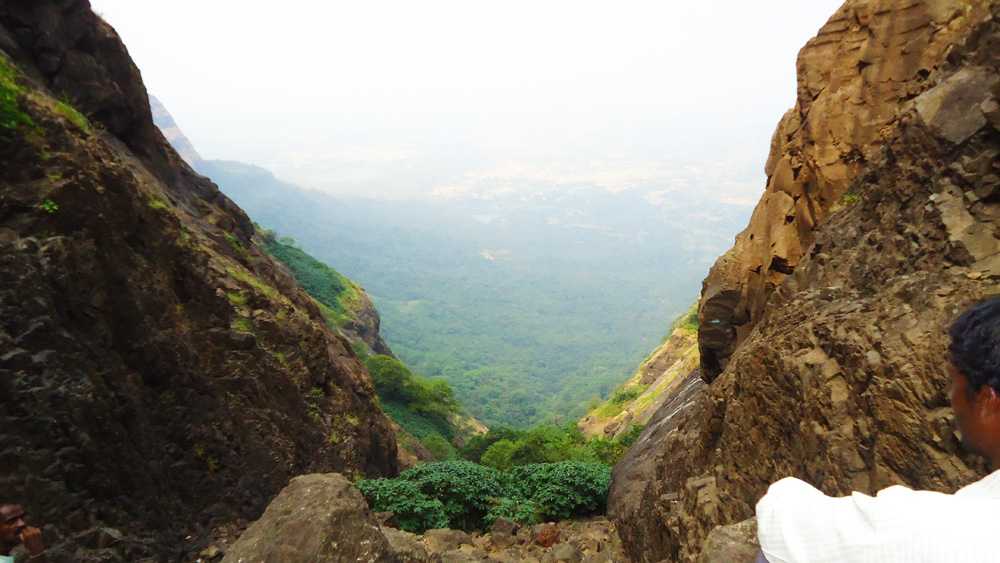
(529, 307)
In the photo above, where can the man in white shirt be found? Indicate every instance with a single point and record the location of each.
(15, 531)
(797, 523)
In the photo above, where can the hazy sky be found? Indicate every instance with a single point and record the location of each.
(420, 97)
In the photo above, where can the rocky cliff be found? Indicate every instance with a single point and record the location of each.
(160, 375)
(823, 329)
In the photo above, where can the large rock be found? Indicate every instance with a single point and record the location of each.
(315, 519)
(838, 374)
(853, 78)
(159, 374)
(736, 543)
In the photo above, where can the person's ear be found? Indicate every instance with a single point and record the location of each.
(988, 405)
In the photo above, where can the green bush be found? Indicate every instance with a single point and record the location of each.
(516, 510)
(338, 296)
(395, 382)
(626, 394)
(421, 426)
(464, 495)
(414, 511)
(477, 445)
(561, 490)
(498, 456)
(467, 491)
(441, 449)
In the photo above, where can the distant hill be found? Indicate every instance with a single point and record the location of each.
(529, 306)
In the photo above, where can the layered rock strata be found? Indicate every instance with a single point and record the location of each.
(879, 226)
(869, 59)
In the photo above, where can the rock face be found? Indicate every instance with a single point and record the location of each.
(363, 320)
(159, 373)
(879, 225)
(869, 59)
(315, 519)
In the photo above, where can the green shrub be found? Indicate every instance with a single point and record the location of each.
(419, 425)
(516, 510)
(498, 456)
(414, 511)
(477, 445)
(467, 491)
(338, 296)
(12, 117)
(441, 449)
(395, 382)
(561, 490)
(626, 394)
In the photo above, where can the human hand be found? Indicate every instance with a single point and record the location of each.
(31, 539)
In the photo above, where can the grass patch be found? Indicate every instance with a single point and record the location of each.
(237, 298)
(339, 298)
(849, 198)
(156, 203)
(237, 246)
(253, 281)
(72, 115)
(418, 425)
(688, 322)
(12, 117)
(242, 324)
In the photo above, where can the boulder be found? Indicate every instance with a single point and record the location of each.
(318, 518)
(406, 546)
(440, 541)
(736, 543)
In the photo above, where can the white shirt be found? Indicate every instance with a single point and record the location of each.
(796, 523)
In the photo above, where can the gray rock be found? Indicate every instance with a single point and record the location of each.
(315, 519)
(953, 109)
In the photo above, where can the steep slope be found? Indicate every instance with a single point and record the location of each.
(829, 365)
(872, 56)
(345, 304)
(159, 373)
(669, 374)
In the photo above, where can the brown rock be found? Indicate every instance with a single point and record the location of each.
(736, 543)
(316, 518)
(853, 77)
(546, 535)
(406, 547)
(833, 373)
(442, 540)
(175, 363)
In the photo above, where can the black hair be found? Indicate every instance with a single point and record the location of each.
(975, 344)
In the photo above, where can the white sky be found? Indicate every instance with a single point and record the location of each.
(418, 95)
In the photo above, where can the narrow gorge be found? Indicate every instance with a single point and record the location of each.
(179, 383)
